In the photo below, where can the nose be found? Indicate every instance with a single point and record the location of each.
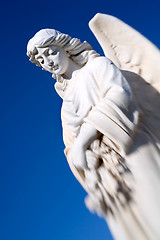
(48, 62)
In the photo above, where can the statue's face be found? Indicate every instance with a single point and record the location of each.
(53, 59)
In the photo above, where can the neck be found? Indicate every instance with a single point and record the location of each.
(72, 68)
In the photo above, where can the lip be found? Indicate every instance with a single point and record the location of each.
(55, 67)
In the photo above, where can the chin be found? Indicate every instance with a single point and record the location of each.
(59, 72)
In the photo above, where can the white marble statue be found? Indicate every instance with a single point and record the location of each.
(111, 120)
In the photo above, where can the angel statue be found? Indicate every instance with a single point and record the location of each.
(110, 119)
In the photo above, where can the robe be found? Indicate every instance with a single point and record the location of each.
(98, 94)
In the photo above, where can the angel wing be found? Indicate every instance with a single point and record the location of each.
(120, 187)
(139, 60)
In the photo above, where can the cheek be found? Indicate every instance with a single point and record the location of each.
(62, 60)
(65, 62)
(61, 63)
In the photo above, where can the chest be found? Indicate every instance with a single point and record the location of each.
(82, 93)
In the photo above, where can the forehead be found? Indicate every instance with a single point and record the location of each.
(42, 50)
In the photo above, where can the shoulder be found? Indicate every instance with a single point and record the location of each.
(101, 60)
(99, 63)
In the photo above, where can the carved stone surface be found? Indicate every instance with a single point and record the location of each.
(111, 121)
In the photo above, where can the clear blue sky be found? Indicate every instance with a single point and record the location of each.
(40, 199)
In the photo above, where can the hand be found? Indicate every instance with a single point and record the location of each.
(79, 157)
(86, 136)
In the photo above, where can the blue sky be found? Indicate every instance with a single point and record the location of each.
(40, 198)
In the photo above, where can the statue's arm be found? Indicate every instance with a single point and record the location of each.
(108, 116)
(115, 114)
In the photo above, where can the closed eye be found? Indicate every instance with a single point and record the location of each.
(40, 59)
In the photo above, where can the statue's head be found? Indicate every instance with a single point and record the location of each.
(47, 42)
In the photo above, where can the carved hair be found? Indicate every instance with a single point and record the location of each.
(79, 52)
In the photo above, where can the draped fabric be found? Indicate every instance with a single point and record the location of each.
(99, 95)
